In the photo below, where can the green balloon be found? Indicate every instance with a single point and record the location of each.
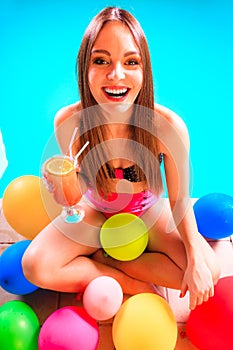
(19, 326)
(124, 236)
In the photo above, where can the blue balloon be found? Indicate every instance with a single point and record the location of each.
(12, 278)
(214, 215)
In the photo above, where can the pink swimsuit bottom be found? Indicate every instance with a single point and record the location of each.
(134, 203)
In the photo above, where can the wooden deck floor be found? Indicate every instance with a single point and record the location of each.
(44, 302)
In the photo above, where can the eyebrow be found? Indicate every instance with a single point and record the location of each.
(108, 53)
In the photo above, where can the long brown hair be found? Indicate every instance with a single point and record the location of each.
(142, 124)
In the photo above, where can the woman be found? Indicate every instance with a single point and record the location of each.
(129, 136)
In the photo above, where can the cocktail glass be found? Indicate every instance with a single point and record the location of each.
(60, 178)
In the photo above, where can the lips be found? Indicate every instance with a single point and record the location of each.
(116, 93)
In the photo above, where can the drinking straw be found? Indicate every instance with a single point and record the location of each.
(70, 147)
(78, 154)
(72, 141)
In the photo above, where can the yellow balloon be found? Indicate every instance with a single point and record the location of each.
(124, 236)
(27, 205)
(145, 321)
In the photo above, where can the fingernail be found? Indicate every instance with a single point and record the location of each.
(181, 295)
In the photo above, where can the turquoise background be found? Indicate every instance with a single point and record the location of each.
(191, 45)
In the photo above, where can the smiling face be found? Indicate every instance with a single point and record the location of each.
(115, 72)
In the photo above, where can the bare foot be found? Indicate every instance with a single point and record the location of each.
(136, 286)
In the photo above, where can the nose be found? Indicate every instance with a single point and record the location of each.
(116, 72)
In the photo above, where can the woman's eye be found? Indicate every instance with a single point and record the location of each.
(99, 61)
(132, 62)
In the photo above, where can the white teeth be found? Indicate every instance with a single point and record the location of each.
(115, 91)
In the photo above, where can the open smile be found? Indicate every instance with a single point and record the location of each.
(116, 93)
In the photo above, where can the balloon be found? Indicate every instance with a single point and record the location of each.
(214, 215)
(209, 326)
(69, 328)
(102, 298)
(12, 278)
(28, 206)
(124, 236)
(145, 321)
(19, 326)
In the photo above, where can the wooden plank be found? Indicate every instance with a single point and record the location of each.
(7, 234)
(43, 302)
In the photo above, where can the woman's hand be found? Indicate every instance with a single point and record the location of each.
(64, 187)
(198, 280)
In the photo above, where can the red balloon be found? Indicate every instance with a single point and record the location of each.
(209, 326)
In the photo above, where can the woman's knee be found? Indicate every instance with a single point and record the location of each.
(216, 271)
(211, 259)
(34, 266)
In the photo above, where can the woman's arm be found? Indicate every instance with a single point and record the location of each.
(199, 276)
(65, 127)
(65, 122)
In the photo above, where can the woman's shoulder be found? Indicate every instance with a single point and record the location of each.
(170, 117)
(170, 125)
(66, 113)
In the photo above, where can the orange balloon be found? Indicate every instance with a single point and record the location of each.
(145, 321)
(27, 205)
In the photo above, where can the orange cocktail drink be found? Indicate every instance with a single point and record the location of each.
(61, 177)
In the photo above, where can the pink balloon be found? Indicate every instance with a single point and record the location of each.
(69, 328)
(102, 298)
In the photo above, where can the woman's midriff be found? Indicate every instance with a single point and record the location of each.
(134, 203)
